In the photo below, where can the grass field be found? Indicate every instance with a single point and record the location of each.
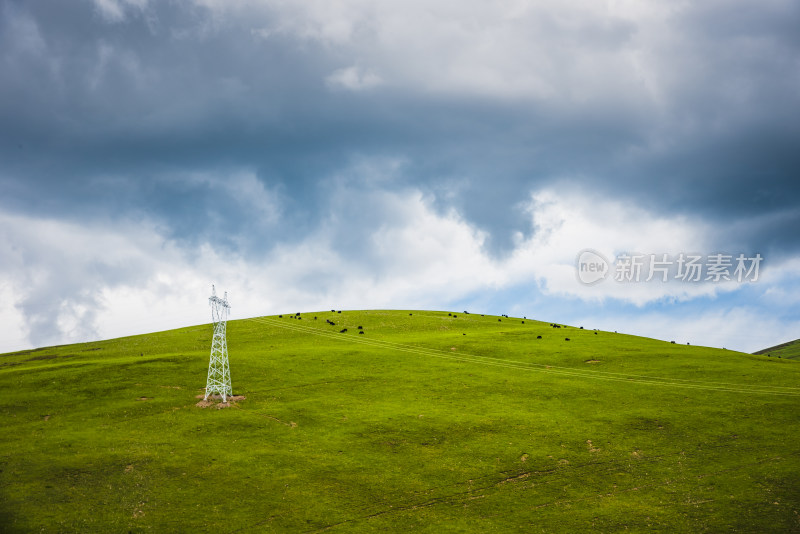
(427, 422)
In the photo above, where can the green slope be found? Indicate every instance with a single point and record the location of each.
(789, 350)
(410, 426)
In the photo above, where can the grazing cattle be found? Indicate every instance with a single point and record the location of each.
(343, 330)
(411, 314)
(340, 311)
(466, 312)
(361, 328)
(333, 311)
(538, 337)
(281, 316)
(449, 314)
(566, 339)
(499, 320)
(463, 334)
(361, 332)
(455, 316)
(581, 328)
(595, 333)
(315, 317)
(672, 342)
(523, 322)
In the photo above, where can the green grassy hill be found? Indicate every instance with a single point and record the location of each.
(426, 422)
(789, 350)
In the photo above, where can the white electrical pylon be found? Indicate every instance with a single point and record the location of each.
(219, 375)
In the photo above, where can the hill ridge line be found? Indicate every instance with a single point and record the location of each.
(566, 371)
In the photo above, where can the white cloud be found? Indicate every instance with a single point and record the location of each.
(66, 282)
(263, 205)
(15, 331)
(742, 329)
(353, 78)
(575, 52)
(55, 268)
(565, 224)
(115, 10)
(25, 33)
(110, 9)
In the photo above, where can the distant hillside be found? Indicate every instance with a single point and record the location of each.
(789, 350)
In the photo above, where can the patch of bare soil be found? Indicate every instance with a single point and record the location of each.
(291, 424)
(592, 361)
(514, 478)
(144, 398)
(214, 401)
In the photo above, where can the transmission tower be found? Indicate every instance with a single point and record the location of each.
(219, 375)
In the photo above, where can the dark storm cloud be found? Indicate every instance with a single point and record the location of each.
(102, 115)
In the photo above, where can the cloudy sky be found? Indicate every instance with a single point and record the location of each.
(437, 154)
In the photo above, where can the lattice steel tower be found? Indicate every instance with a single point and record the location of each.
(219, 375)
